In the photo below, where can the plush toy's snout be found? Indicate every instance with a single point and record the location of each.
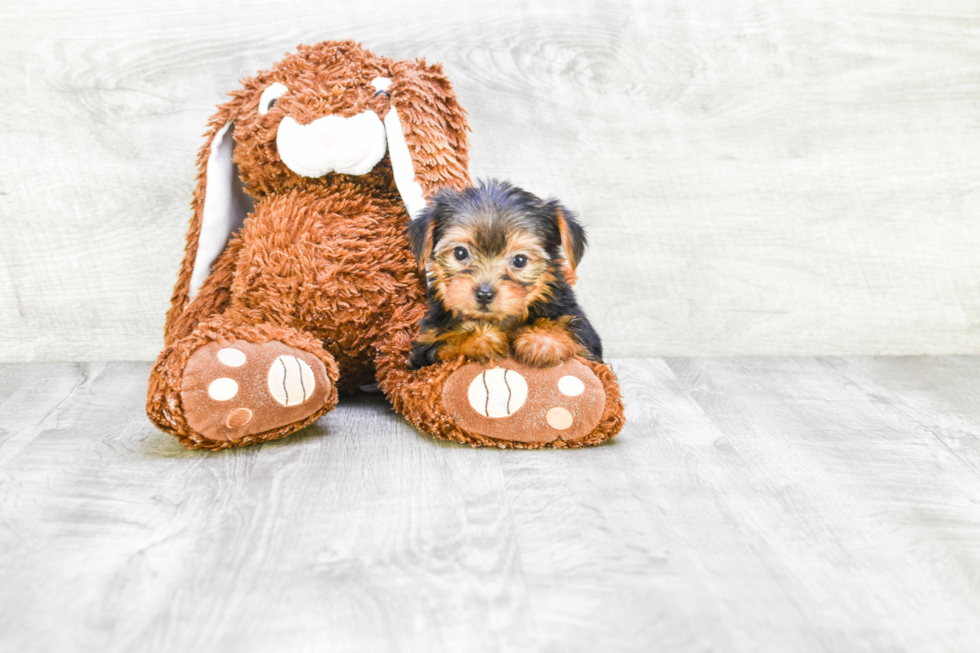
(349, 146)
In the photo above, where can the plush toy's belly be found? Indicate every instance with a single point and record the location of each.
(333, 262)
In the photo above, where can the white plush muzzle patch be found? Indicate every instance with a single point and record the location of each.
(349, 146)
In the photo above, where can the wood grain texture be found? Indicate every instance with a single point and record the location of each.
(749, 505)
(758, 177)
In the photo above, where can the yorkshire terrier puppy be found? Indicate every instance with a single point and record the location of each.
(499, 262)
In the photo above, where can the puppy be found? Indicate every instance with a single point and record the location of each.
(499, 262)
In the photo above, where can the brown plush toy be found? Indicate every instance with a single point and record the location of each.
(298, 281)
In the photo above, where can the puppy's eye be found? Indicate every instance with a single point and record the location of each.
(269, 97)
(519, 261)
(461, 254)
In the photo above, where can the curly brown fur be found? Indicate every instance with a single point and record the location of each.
(497, 259)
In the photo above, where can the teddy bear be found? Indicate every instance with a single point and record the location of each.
(298, 283)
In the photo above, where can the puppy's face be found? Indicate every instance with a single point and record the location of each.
(491, 251)
(489, 267)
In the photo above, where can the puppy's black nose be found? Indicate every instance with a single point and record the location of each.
(485, 294)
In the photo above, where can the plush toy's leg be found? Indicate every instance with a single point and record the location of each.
(504, 405)
(229, 383)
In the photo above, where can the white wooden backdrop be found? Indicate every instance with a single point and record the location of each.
(781, 177)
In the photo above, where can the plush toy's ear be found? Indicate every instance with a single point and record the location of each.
(223, 206)
(573, 239)
(219, 204)
(426, 130)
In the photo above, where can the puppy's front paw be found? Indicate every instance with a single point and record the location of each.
(538, 347)
(483, 344)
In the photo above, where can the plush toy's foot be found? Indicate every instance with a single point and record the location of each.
(511, 402)
(234, 390)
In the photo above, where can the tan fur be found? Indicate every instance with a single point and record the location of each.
(457, 291)
(545, 343)
(477, 341)
(566, 241)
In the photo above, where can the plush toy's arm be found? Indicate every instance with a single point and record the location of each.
(426, 133)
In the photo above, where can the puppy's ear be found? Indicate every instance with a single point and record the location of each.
(573, 240)
(421, 232)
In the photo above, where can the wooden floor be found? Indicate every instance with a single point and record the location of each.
(817, 504)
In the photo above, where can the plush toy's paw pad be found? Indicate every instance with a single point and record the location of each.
(514, 402)
(239, 389)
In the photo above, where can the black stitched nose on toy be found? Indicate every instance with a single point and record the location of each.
(485, 294)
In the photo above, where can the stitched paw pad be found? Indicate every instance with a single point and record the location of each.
(514, 402)
(239, 389)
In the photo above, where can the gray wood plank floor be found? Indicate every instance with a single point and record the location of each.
(797, 504)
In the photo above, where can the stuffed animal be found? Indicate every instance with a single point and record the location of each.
(298, 281)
